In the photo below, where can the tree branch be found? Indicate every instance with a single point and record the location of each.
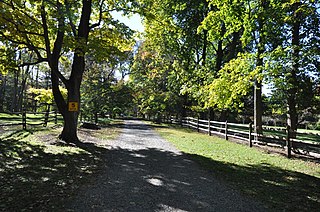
(33, 63)
(72, 25)
(21, 10)
(33, 48)
(100, 16)
(20, 30)
(45, 31)
(58, 43)
(28, 44)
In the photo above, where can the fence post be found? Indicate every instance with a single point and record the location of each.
(198, 124)
(24, 119)
(250, 132)
(209, 126)
(46, 117)
(55, 117)
(226, 130)
(288, 142)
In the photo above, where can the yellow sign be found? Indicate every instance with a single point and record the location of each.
(73, 106)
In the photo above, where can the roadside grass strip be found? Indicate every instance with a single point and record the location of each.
(281, 183)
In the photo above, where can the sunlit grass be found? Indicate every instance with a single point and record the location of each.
(109, 133)
(281, 183)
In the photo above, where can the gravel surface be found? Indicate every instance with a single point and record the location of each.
(146, 173)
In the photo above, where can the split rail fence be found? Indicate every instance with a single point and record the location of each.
(245, 133)
(24, 119)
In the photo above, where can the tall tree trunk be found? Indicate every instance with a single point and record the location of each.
(235, 46)
(257, 96)
(292, 116)
(21, 94)
(258, 109)
(69, 132)
(204, 50)
(3, 83)
(219, 53)
(23, 88)
(15, 91)
(34, 102)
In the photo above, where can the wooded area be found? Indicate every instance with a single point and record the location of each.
(208, 59)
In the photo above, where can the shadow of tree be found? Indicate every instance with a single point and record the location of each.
(33, 178)
(94, 178)
(281, 189)
(155, 180)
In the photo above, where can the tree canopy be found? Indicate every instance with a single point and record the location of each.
(207, 58)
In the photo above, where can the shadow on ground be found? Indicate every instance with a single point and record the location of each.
(280, 189)
(33, 179)
(141, 177)
(135, 180)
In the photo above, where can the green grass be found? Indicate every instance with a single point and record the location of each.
(281, 183)
(37, 173)
(110, 129)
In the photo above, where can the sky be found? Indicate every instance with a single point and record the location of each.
(134, 21)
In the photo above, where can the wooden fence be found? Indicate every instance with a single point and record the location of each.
(245, 133)
(24, 120)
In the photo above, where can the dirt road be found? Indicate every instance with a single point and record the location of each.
(146, 173)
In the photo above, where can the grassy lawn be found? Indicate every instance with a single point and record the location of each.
(37, 173)
(281, 183)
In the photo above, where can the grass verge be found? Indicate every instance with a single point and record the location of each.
(281, 183)
(39, 174)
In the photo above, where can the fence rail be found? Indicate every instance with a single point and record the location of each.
(24, 120)
(245, 133)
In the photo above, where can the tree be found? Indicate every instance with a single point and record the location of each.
(178, 54)
(294, 64)
(50, 29)
(215, 52)
(259, 27)
(102, 90)
(153, 83)
(13, 86)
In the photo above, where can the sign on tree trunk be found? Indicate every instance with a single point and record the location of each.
(73, 106)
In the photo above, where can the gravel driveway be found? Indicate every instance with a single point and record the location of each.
(145, 173)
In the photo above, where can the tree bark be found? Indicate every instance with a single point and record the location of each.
(220, 53)
(235, 46)
(258, 109)
(13, 107)
(257, 95)
(292, 116)
(22, 90)
(34, 102)
(69, 132)
(3, 82)
(204, 50)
